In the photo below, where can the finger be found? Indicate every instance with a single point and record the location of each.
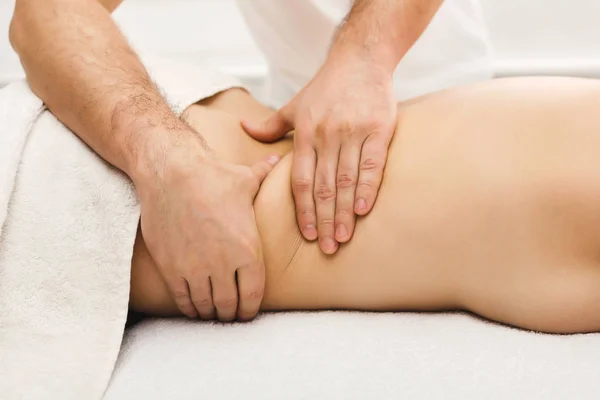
(201, 293)
(274, 127)
(347, 178)
(181, 294)
(262, 168)
(328, 152)
(303, 175)
(225, 296)
(251, 287)
(372, 163)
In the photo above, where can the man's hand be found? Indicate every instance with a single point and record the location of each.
(197, 215)
(198, 223)
(345, 117)
(344, 121)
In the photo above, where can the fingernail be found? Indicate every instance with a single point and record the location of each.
(310, 232)
(361, 205)
(273, 159)
(328, 245)
(341, 232)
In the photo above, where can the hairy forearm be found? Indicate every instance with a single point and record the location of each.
(80, 65)
(384, 29)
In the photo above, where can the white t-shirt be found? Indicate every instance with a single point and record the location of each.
(295, 36)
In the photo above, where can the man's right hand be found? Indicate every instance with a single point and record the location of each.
(198, 223)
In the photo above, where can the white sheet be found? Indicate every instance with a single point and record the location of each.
(339, 355)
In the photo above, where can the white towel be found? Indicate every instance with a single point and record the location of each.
(68, 222)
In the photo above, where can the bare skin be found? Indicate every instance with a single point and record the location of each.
(78, 62)
(490, 203)
(344, 118)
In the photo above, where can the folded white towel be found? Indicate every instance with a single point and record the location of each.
(65, 253)
(68, 223)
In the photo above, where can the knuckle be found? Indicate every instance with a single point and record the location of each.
(324, 133)
(326, 223)
(256, 293)
(198, 272)
(305, 211)
(247, 253)
(366, 184)
(246, 175)
(253, 184)
(251, 255)
(322, 129)
(226, 302)
(370, 164)
(302, 185)
(254, 181)
(345, 127)
(342, 212)
(304, 128)
(254, 255)
(180, 294)
(324, 193)
(370, 124)
(203, 302)
(345, 180)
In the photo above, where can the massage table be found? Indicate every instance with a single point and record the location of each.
(67, 226)
(352, 355)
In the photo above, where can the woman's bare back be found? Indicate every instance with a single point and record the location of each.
(490, 202)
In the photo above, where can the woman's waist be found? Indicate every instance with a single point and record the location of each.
(475, 218)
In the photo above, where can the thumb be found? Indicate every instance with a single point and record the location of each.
(262, 168)
(271, 129)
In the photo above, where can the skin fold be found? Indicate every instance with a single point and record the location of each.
(490, 203)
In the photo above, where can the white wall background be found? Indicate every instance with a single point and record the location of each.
(530, 36)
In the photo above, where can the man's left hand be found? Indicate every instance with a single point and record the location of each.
(344, 120)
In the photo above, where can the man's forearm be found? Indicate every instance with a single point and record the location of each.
(80, 65)
(384, 29)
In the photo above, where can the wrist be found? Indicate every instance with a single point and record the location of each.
(154, 152)
(371, 31)
(357, 57)
(142, 126)
(380, 58)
